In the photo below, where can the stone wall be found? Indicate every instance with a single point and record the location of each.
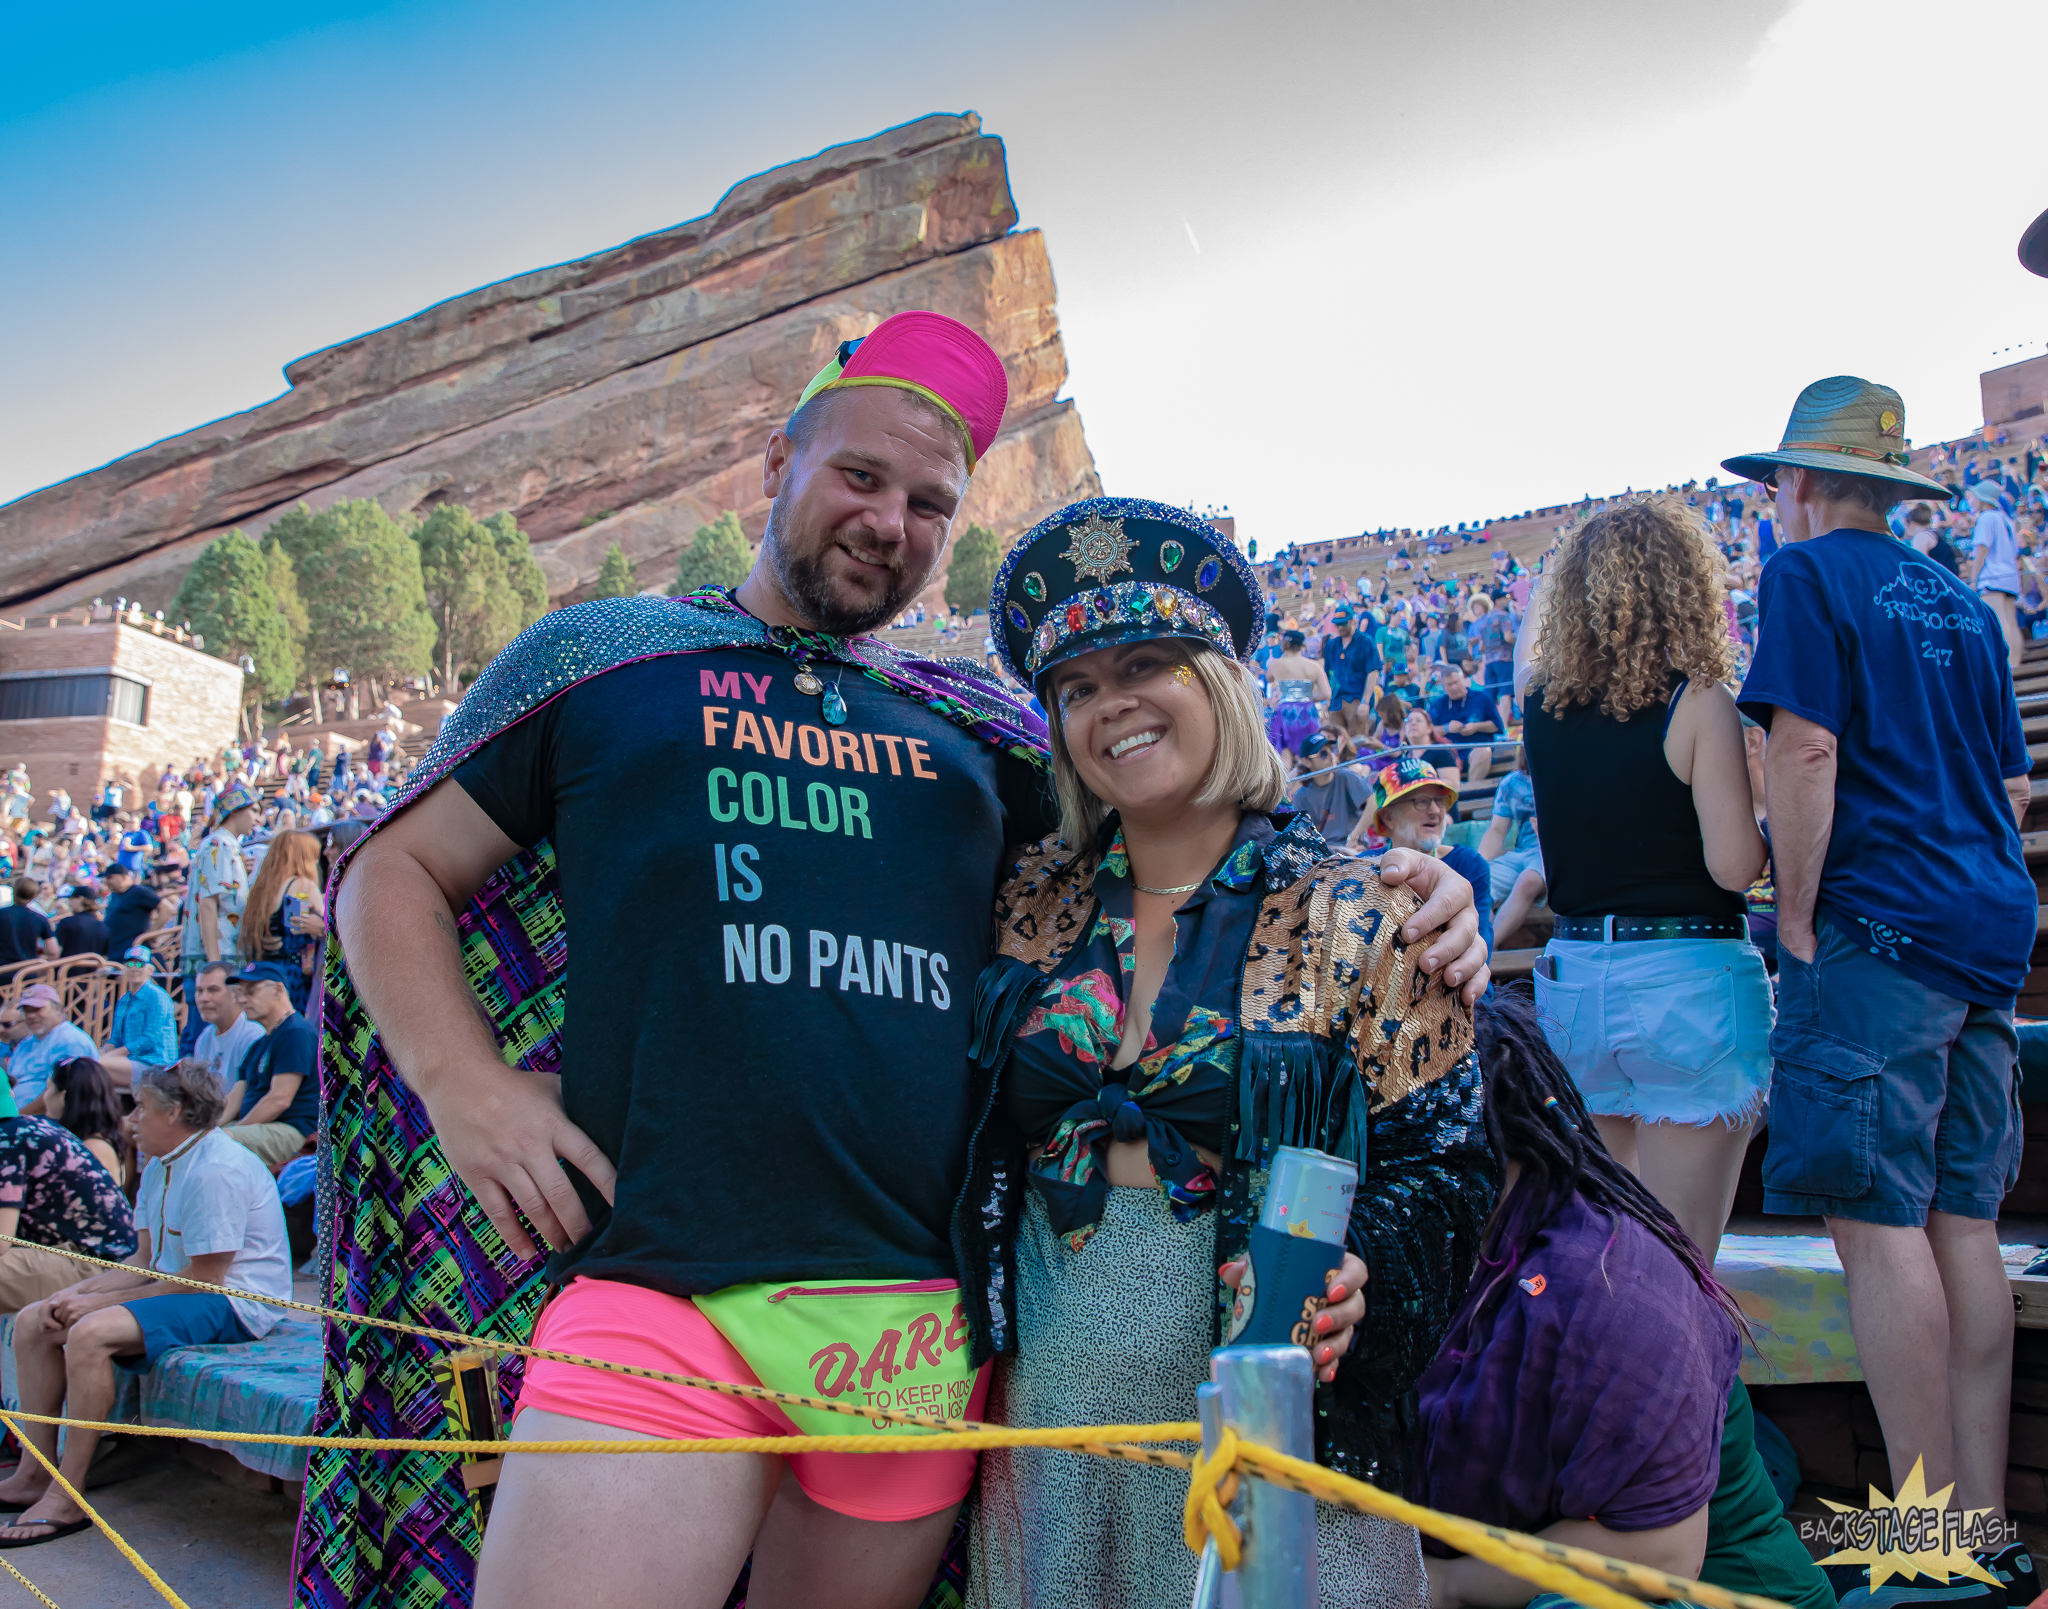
(194, 704)
(625, 397)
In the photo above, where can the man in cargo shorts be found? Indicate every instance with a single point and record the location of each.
(1896, 774)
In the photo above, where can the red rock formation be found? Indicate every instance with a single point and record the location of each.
(625, 397)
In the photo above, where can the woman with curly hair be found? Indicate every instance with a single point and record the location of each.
(1650, 991)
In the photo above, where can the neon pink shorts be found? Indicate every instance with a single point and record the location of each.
(602, 1318)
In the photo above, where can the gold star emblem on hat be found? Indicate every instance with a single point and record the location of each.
(1098, 547)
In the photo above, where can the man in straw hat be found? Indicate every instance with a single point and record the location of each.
(763, 1091)
(1884, 685)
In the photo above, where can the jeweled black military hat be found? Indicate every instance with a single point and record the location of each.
(1116, 570)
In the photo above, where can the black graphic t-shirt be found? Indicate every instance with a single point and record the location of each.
(775, 929)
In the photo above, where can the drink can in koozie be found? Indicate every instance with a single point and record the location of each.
(1297, 1244)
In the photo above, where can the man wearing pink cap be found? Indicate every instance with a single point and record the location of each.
(750, 1165)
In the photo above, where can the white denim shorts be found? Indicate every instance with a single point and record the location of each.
(1665, 1030)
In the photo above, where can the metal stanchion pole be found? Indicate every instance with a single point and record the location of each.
(1267, 1397)
(1209, 1573)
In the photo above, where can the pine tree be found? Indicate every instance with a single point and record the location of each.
(972, 570)
(359, 574)
(467, 567)
(718, 555)
(521, 570)
(615, 580)
(284, 586)
(228, 598)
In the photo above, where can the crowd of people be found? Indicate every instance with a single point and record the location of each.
(1235, 911)
(173, 1131)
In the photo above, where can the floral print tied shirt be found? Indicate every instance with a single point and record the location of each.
(1062, 1091)
(63, 1193)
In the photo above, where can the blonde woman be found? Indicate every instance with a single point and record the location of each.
(1651, 991)
(1185, 979)
(286, 917)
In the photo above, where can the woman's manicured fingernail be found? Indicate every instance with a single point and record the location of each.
(1337, 1293)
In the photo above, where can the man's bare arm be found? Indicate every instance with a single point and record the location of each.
(1799, 780)
(2020, 790)
(502, 1129)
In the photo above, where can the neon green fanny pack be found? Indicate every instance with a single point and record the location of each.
(871, 1343)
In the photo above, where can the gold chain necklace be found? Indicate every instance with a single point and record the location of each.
(1185, 888)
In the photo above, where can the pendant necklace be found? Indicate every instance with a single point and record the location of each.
(800, 646)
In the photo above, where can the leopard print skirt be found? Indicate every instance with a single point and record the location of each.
(1119, 1333)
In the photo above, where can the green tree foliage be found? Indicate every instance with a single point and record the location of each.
(972, 572)
(366, 604)
(521, 571)
(615, 580)
(284, 586)
(482, 586)
(718, 556)
(229, 600)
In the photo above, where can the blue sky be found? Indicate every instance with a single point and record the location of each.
(1334, 265)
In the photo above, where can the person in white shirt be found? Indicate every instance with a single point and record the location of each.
(1994, 567)
(206, 1209)
(229, 1031)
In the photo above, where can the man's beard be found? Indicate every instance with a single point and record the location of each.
(1428, 843)
(800, 570)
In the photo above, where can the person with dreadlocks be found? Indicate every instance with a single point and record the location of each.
(1586, 1391)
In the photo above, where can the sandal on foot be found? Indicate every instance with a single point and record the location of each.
(56, 1529)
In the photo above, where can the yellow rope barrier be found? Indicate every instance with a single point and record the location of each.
(1590, 1578)
(93, 1514)
(35, 1591)
(1513, 1551)
(730, 1388)
(1212, 1487)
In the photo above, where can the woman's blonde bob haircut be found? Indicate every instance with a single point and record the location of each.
(1632, 595)
(1246, 768)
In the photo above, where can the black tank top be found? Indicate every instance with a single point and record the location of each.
(1620, 834)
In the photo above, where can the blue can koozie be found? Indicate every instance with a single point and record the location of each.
(1297, 1244)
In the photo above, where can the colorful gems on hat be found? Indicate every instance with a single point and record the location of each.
(1210, 573)
(1170, 555)
(1138, 602)
(1034, 587)
(1077, 615)
(1098, 547)
(1048, 634)
(1102, 603)
(1018, 619)
(1165, 602)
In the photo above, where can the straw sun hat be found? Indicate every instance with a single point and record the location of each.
(1846, 426)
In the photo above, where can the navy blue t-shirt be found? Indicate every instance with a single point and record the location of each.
(22, 932)
(774, 980)
(1348, 664)
(1474, 706)
(1469, 864)
(291, 1047)
(1870, 639)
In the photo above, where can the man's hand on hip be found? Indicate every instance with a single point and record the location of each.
(503, 1130)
